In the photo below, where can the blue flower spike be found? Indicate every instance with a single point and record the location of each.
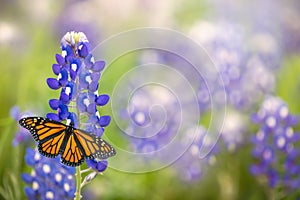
(78, 75)
(48, 178)
(77, 79)
(276, 140)
(22, 136)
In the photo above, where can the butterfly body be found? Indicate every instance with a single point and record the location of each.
(74, 145)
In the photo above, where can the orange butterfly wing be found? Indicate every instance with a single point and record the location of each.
(82, 145)
(49, 134)
(94, 147)
(72, 154)
(74, 145)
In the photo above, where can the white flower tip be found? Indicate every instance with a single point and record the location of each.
(73, 38)
(46, 168)
(66, 187)
(49, 195)
(35, 185)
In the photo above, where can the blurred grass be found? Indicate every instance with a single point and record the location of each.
(11, 164)
(22, 83)
(288, 85)
(191, 12)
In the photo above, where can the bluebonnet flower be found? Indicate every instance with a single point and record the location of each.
(22, 135)
(151, 128)
(78, 75)
(48, 178)
(276, 145)
(290, 26)
(97, 166)
(280, 21)
(240, 59)
(155, 119)
(190, 166)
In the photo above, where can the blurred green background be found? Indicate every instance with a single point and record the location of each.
(30, 33)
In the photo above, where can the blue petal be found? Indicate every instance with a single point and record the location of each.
(88, 61)
(29, 157)
(73, 74)
(59, 59)
(273, 178)
(93, 119)
(64, 97)
(74, 120)
(95, 76)
(80, 102)
(46, 172)
(77, 62)
(83, 84)
(99, 132)
(98, 66)
(53, 83)
(92, 97)
(93, 86)
(104, 120)
(102, 99)
(54, 103)
(70, 53)
(70, 170)
(29, 192)
(27, 178)
(91, 108)
(63, 111)
(64, 77)
(97, 166)
(83, 51)
(53, 116)
(56, 69)
(90, 128)
(68, 92)
(73, 92)
(70, 193)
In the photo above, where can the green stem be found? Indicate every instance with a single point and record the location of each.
(78, 183)
(78, 170)
(86, 170)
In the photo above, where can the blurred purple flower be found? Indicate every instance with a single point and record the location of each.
(276, 145)
(22, 136)
(238, 64)
(190, 166)
(234, 129)
(290, 26)
(151, 128)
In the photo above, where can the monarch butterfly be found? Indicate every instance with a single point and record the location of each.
(74, 145)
